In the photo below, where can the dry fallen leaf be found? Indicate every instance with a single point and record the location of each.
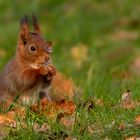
(122, 126)
(5, 120)
(10, 118)
(99, 102)
(106, 138)
(3, 132)
(124, 35)
(2, 53)
(131, 138)
(135, 67)
(89, 104)
(70, 138)
(125, 21)
(79, 54)
(127, 102)
(91, 128)
(126, 97)
(48, 108)
(52, 109)
(92, 102)
(137, 120)
(41, 128)
(68, 122)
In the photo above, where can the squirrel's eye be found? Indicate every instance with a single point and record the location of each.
(32, 48)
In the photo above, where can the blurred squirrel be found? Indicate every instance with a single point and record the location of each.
(30, 72)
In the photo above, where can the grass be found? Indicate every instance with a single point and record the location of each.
(94, 24)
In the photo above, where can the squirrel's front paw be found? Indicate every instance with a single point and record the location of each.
(51, 72)
(47, 70)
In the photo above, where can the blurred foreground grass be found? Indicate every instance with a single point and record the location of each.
(95, 43)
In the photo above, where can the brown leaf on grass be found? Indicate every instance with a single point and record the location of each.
(68, 122)
(125, 21)
(41, 128)
(79, 54)
(89, 105)
(48, 108)
(52, 109)
(91, 128)
(137, 120)
(126, 97)
(135, 67)
(131, 138)
(122, 74)
(122, 126)
(70, 138)
(122, 21)
(99, 102)
(118, 53)
(10, 118)
(4, 132)
(2, 53)
(68, 107)
(6, 120)
(61, 111)
(126, 101)
(124, 35)
(92, 102)
(106, 138)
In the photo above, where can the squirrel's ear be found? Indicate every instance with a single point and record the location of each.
(48, 46)
(24, 30)
(36, 25)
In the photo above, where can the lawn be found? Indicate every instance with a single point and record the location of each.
(96, 44)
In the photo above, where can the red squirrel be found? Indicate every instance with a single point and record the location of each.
(30, 70)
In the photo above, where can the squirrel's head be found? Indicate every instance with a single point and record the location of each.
(32, 48)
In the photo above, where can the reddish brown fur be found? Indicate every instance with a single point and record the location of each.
(26, 74)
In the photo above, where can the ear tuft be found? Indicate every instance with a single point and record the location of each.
(36, 25)
(24, 20)
(24, 29)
